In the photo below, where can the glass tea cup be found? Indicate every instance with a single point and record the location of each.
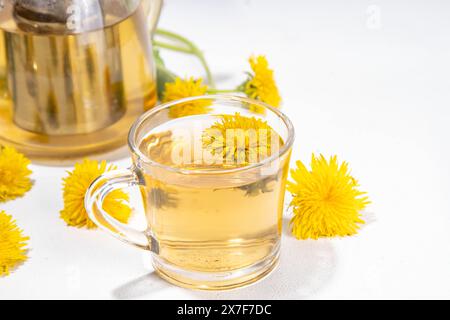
(213, 206)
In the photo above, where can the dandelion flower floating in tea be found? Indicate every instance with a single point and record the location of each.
(252, 139)
(180, 89)
(14, 174)
(75, 186)
(245, 148)
(12, 244)
(326, 200)
(261, 84)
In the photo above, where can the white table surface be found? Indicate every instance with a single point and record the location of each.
(367, 80)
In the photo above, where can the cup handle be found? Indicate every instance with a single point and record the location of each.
(93, 202)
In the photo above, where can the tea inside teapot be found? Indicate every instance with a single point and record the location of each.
(74, 67)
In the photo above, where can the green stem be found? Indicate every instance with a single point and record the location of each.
(167, 71)
(172, 35)
(213, 91)
(191, 49)
(209, 75)
(171, 47)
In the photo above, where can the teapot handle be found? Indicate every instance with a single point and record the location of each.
(154, 9)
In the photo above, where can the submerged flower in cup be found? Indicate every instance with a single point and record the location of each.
(326, 200)
(261, 84)
(12, 244)
(75, 186)
(180, 89)
(14, 174)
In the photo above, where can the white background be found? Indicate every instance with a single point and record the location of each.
(367, 80)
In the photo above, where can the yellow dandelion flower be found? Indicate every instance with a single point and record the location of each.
(326, 200)
(251, 139)
(12, 244)
(261, 84)
(180, 89)
(75, 186)
(14, 174)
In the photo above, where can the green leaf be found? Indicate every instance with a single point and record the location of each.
(163, 74)
(158, 59)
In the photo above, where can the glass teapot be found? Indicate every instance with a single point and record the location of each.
(74, 74)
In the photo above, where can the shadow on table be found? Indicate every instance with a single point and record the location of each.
(305, 268)
(114, 155)
(141, 287)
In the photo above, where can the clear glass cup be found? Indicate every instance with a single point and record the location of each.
(209, 226)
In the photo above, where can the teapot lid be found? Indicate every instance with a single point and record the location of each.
(63, 16)
(58, 16)
(43, 11)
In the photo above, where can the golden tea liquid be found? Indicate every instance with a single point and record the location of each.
(215, 222)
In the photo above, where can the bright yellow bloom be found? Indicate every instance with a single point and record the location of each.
(184, 89)
(75, 186)
(12, 244)
(261, 84)
(326, 200)
(239, 140)
(14, 174)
